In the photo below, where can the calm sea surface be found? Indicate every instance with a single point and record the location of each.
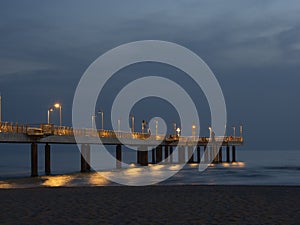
(255, 167)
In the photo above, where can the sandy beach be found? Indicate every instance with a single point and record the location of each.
(151, 205)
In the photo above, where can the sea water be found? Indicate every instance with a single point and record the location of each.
(254, 167)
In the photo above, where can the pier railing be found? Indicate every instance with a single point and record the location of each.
(50, 129)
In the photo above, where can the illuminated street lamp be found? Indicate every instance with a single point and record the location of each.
(143, 125)
(93, 121)
(49, 111)
(241, 130)
(233, 132)
(174, 127)
(193, 130)
(210, 131)
(178, 131)
(132, 123)
(119, 125)
(58, 106)
(102, 119)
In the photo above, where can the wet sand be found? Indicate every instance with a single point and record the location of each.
(151, 205)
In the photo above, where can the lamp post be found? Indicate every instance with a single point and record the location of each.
(143, 125)
(119, 125)
(178, 131)
(174, 127)
(210, 131)
(194, 131)
(102, 119)
(49, 111)
(132, 123)
(93, 121)
(58, 106)
(233, 132)
(156, 127)
(241, 130)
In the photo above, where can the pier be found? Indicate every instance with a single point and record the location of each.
(191, 149)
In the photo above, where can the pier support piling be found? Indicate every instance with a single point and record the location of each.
(213, 154)
(220, 155)
(190, 153)
(153, 156)
(47, 159)
(138, 155)
(166, 154)
(142, 155)
(158, 154)
(233, 154)
(118, 156)
(198, 154)
(206, 153)
(88, 157)
(34, 159)
(181, 154)
(171, 154)
(228, 154)
(83, 158)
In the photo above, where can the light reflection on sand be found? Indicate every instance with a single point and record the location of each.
(101, 178)
(175, 167)
(157, 167)
(133, 174)
(225, 164)
(238, 164)
(5, 185)
(97, 179)
(133, 171)
(57, 181)
(194, 165)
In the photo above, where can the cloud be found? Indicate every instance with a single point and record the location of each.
(12, 66)
(238, 31)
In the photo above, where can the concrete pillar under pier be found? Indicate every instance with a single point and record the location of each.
(181, 154)
(198, 154)
(143, 155)
(138, 155)
(190, 154)
(34, 159)
(153, 156)
(215, 154)
(206, 153)
(118, 156)
(158, 154)
(83, 161)
(220, 155)
(228, 154)
(88, 157)
(171, 154)
(47, 159)
(233, 154)
(166, 154)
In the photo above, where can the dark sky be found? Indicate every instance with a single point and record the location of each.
(253, 47)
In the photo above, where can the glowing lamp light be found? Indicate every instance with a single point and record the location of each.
(178, 131)
(57, 105)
